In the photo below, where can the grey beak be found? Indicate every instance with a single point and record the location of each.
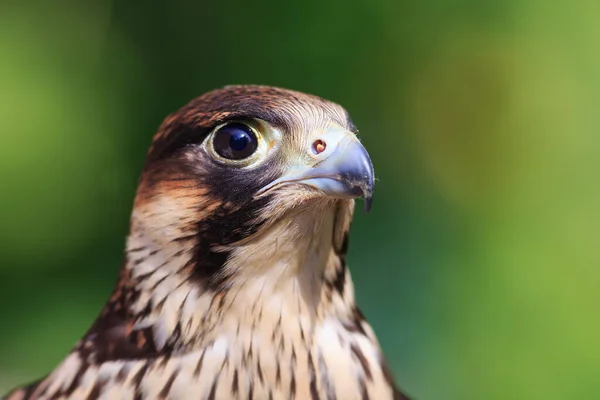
(347, 172)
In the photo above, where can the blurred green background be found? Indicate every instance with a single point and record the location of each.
(479, 266)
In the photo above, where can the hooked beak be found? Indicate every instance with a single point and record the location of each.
(343, 170)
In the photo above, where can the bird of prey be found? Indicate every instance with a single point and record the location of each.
(234, 283)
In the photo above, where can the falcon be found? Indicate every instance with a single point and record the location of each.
(234, 283)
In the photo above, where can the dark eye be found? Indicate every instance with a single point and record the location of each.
(235, 141)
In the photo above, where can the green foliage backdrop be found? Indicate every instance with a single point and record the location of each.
(479, 266)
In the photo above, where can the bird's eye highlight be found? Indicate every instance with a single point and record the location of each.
(235, 141)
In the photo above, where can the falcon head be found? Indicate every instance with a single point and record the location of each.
(238, 162)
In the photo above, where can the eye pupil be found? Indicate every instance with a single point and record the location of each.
(239, 140)
(235, 141)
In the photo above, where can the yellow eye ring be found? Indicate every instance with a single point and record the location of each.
(236, 143)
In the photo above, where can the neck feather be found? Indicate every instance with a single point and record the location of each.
(292, 271)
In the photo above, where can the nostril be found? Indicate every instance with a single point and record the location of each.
(319, 146)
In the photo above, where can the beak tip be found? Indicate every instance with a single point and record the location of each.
(368, 202)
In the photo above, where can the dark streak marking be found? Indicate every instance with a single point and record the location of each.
(138, 261)
(25, 392)
(293, 357)
(314, 394)
(363, 390)
(159, 281)
(167, 388)
(340, 278)
(122, 374)
(259, 370)
(77, 379)
(343, 250)
(235, 383)
(96, 389)
(137, 378)
(293, 386)
(213, 389)
(358, 320)
(136, 249)
(363, 361)
(199, 366)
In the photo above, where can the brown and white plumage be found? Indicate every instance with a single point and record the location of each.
(234, 284)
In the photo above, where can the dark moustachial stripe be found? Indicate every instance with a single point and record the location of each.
(224, 226)
(227, 193)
